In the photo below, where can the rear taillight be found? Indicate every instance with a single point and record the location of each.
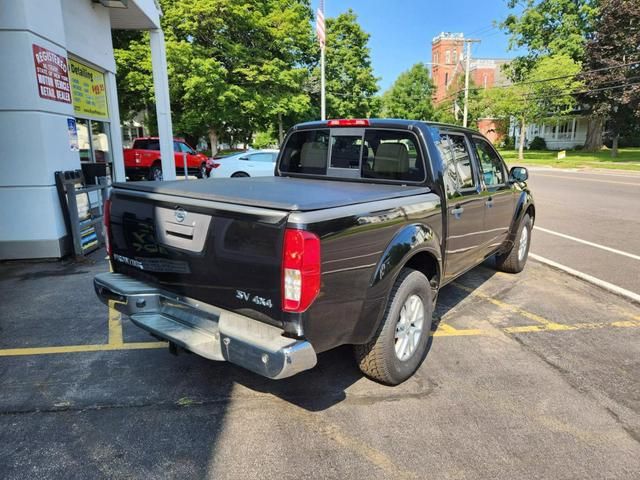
(215, 164)
(300, 270)
(106, 223)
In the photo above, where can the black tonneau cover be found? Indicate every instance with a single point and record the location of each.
(278, 193)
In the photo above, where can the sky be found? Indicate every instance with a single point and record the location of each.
(401, 30)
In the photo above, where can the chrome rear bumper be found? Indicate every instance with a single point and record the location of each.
(208, 331)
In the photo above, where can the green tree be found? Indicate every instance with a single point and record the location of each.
(536, 97)
(235, 66)
(552, 27)
(548, 27)
(350, 83)
(614, 91)
(410, 95)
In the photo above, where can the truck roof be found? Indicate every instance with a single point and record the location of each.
(385, 123)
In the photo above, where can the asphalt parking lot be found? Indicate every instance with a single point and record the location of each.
(533, 376)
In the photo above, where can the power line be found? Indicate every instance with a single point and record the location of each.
(583, 92)
(530, 82)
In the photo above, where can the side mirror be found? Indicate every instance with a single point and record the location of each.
(519, 174)
(243, 158)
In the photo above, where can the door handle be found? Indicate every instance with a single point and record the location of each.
(489, 202)
(457, 211)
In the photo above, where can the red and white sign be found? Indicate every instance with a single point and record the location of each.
(52, 75)
(320, 27)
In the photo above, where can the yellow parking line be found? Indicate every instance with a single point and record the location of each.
(445, 330)
(549, 325)
(15, 352)
(115, 325)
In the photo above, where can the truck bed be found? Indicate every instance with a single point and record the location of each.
(278, 193)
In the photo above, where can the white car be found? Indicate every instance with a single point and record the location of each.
(253, 163)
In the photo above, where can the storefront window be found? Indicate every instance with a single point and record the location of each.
(84, 143)
(93, 141)
(100, 142)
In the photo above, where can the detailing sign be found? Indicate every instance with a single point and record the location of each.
(88, 91)
(52, 75)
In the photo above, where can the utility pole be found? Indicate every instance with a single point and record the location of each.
(320, 32)
(468, 42)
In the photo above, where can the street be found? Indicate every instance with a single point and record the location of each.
(602, 209)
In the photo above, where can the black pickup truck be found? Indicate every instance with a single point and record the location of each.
(349, 243)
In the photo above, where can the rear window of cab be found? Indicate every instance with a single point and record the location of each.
(359, 153)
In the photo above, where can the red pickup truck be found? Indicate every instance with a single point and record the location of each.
(142, 160)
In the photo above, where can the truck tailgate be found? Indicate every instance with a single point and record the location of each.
(222, 254)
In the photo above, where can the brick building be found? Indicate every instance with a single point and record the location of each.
(448, 68)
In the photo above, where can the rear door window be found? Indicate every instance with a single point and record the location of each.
(458, 167)
(146, 144)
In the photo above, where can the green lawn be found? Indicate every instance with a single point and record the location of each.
(628, 159)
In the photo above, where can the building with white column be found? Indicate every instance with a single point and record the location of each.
(59, 108)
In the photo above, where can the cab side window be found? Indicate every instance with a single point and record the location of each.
(458, 167)
(493, 170)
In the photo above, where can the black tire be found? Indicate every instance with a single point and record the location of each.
(239, 175)
(202, 172)
(378, 359)
(155, 172)
(515, 259)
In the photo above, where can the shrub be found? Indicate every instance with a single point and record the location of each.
(264, 140)
(508, 143)
(538, 143)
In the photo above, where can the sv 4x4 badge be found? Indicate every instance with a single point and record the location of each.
(247, 297)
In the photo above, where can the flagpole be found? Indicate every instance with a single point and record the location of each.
(323, 107)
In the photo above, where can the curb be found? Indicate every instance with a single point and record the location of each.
(610, 287)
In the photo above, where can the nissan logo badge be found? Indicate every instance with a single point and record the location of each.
(181, 214)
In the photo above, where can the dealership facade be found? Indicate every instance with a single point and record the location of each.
(59, 109)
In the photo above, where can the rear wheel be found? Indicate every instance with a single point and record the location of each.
(515, 259)
(155, 173)
(239, 175)
(400, 344)
(202, 173)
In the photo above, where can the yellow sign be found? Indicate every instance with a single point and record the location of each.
(88, 91)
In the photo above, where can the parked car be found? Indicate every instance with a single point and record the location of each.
(252, 163)
(142, 160)
(349, 243)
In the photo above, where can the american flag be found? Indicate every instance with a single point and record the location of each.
(320, 26)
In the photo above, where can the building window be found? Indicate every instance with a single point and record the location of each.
(455, 56)
(447, 57)
(93, 141)
(565, 129)
(484, 80)
(446, 79)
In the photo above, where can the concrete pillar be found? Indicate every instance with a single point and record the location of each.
(163, 106)
(115, 132)
(34, 139)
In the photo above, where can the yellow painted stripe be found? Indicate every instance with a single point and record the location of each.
(549, 325)
(445, 330)
(115, 325)
(15, 352)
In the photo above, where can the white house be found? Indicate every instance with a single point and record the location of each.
(563, 134)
